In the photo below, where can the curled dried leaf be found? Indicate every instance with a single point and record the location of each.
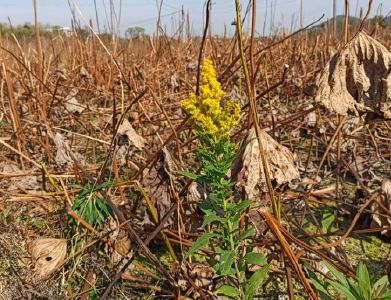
(128, 141)
(25, 182)
(84, 73)
(48, 255)
(379, 215)
(386, 188)
(71, 103)
(196, 192)
(126, 131)
(65, 156)
(357, 79)
(248, 170)
(156, 181)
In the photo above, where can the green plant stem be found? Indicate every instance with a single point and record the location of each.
(232, 245)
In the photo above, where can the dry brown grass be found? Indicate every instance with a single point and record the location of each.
(146, 79)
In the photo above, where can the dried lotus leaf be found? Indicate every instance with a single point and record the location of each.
(357, 79)
(65, 156)
(126, 129)
(48, 255)
(72, 104)
(379, 215)
(248, 170)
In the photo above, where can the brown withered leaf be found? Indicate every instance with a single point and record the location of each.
(84, 73)
(133, 137)
(202, 277)
(156, 181)
(357, 79)
(71, 103)
(248, 169)
(378, 215)
(196, 192)
(65, 156)
(48, 255)
(25, 182)
(128, 141)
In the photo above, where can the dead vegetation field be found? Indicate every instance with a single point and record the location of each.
(93, 136)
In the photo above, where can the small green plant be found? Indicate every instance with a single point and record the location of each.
(328, 221)
(213, 123)
(360, 288)
(90, 206)
(6, 215)
(4, 124)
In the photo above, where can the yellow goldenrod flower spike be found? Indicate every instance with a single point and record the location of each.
(207, 110)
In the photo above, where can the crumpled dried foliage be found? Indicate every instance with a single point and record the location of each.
(357, 79)
(71, 103)
(128, 140)
(25, 182)
(48, 255)
(134, 138)
(156, 181)
(378, 215)
(248, 170)
(121, 242)
(196, 192)
(65, 157)
(202, 276)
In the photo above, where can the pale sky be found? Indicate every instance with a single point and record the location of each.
(143, 13)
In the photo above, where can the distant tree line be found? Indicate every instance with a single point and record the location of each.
(381, 21)
(27, 30)
(136, 33)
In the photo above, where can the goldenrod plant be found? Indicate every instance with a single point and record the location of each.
(214, 122)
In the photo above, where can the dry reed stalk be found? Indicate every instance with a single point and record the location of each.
(146, 284)
(253, 107)
(306, 55)
(346, 22)
(18, 131)
(330, 144)
(275, 228)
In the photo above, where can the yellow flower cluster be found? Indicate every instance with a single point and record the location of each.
(207, 110)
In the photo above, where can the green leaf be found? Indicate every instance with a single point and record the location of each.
(205, 206)
(202, 241)
(103, 185)
(324, 293)
(379, 286)
(229, 291)
(248, 233)
(242, 266)
(254, 282)
(75, 186)
(190, 175)
(254, 258)
(386, 296)
(225, 263)
(235, 222)
(212, 217)
(342, 290)
(328, 219)
(90, 212)
(341, 277)
(355, 289)
(239, 207)
(364, 281)
(76, 203)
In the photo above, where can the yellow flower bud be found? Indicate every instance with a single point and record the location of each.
(206, 109)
